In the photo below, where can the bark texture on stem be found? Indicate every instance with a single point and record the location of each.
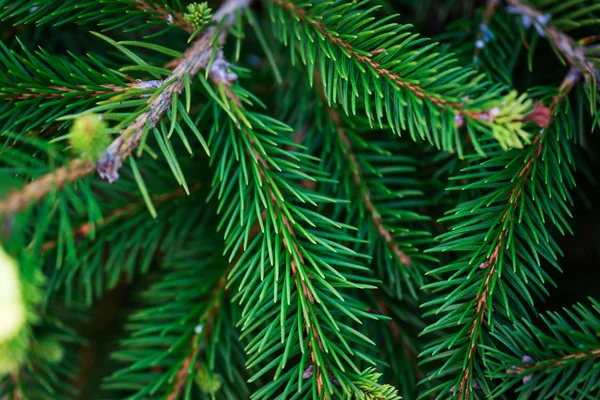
(195, 58)
(573, 53)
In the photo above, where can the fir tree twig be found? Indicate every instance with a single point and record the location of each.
(195, 58)
(208, 318)
(356, 171)
(301, 288)
(556, 357)
(207, 321)
(457, 108)
(84, 229)
(566, 45)
(491, 263)
(16, 390)
(170, 16)
(60, 91)
(528, 367)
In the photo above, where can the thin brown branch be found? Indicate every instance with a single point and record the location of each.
(82, 91)
(164, 14)
(16, 391)
(182, 373)
(456, 107)
(60, 91)
(400, 337)
(530, 367)
(39, 188)
(573, 54)
(292, 247)
(208, 318)
(491, 264)
(84, 229)
(365, 193)
(195, 58)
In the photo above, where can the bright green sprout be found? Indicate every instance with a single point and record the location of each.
(49, 350)
(198, 15)
(371, 390)
(88, 136)
(208, 381)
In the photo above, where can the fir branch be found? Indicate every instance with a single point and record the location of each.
(38, 189)
(538, 358)
(186, 301)
(378, 180)
(195, 58)
(367, 60)
(312, 253)
(110, 14)
(84, 229)
(527, 368)
(396, 79)
(566, 45)
(264, 170)
(362, 185)
(207, 321)
(58, 92)
(170, 16)
(208, 318)
(492, 264)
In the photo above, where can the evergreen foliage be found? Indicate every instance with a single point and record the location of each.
(289, 199)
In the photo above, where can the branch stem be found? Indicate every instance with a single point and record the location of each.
(167, 15)
(528, 368)
(195, 58)
(573, 54)
(365, 193)
(208, 318)
(491, 264)
(291, 246)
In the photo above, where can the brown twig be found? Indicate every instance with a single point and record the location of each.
(16, 391)
(195, 58)
(164, 14)
(82, 90)
(84, 229)
(39, 188)
(208, 318)
(528, 368)
(456, 107)
(568, 48)
(357, 174)
(292, 247)
(491, 263)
